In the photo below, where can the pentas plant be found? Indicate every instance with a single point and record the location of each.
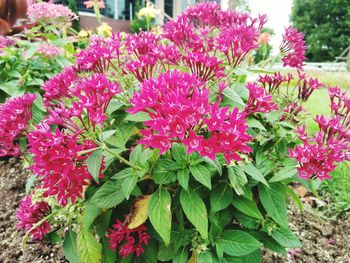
(155, 149)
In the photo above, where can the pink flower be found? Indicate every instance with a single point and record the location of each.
(306, 86)
(50, 12)
(58, 87)
(319, 154)
(49, 50)
(133, 239)
(15, 114)
(6, 41)
(259, 100)
(90, 4)
(178, 104)
(293, 48)
(272, 83)
(57, 162)
(30, 213)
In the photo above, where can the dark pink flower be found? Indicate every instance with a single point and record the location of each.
(178, 104)
(259, 100)
(59, 164)
(29, 214)
(129, 240)
(306, 86)
(293, 48)
(15, 114)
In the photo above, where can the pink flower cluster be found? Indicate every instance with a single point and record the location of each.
(134, 239)
(29, 214)
(178, 104)
(49, 50)
(58, 87)
(293, 48)
(306, 86)
(6, 41)
(195, 30)
(259, 100)
(319, 154)
(58, 162)
(50, 12)
(100, 54)
(15, 114)
(272, 83)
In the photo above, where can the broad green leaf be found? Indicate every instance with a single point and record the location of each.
(232, 95)
(268, 242)
(138, 117)
(274, 202)
(237, 179)
(286, 238)
(181, 256)
(253, 257)
(70, 247)
(195, 210)
(183, 176)
(238, 243)
(140, 211)
(123, 174)
(166, 253)
(102, 223)
(251, 170)
(247, 207)
(129, 184)
(201, 174)
(178, 152)
(220, 198)
(295, 198)
(247, 221)
(91, 211)
(284, 173)
(106, 135)
(109, 195)
(254, 123)
(108, 256)
(89, 249)
(161, 173)
(151, 252)
(204, 257)
(160, 214)
(94, 163)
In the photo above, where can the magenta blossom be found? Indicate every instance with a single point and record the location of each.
(15, 114)
(29, 214)
(293, 48)
(178, 104)
(132, 239)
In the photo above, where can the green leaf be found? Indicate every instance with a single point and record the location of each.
(237, 179)
(220, 198)
(232, 95)
(247, 207)
(109, 195)
(268, 242)
(30, 183)
(108, 256)
(106, 135)
(151, 252)
(195, 210)
(286, 238)
(183, 176)
(295, 198)
(254, 173)
(161, 173)
(160, 214)
(201, 174)
(284, 173)
(204, 257)
(274, 202)
(254, 123)
(238, 243)
(91, 211)
(89, 249)
(70, 247)
(181, 256)
(94, 163)
(138, 117)
(166, 253)
(178, 152)
(129, 184)
(253, 257)
(123, 174)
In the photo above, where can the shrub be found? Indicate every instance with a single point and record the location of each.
(156, 149)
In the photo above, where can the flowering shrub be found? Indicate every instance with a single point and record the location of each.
(155, 149)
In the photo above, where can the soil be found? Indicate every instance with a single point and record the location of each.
(323, 241)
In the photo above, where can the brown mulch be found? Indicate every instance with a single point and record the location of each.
(323, 241)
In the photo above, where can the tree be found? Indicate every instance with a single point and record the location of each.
(326, 25)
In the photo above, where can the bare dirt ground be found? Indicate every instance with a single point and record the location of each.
(323, 241)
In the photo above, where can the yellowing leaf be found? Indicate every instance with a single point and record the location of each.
(140, 212)
(193, 258)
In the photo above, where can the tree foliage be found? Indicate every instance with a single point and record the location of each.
(326, 25)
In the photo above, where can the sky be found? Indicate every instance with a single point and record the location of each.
(278, 13)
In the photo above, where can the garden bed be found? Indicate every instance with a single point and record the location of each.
(323, 241)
